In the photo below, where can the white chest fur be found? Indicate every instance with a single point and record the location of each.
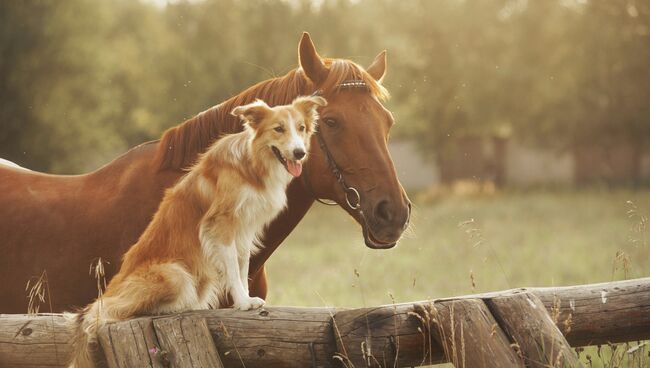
(256, 207)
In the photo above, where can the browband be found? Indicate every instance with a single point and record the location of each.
(348, 84)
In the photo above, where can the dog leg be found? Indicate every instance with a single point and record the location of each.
(220, 246)
(240, 297)
(244, 262)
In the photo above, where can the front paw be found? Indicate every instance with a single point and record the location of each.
(249, 303)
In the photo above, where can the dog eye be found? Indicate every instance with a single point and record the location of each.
(279, 129)
(302, 128)
(331, 123)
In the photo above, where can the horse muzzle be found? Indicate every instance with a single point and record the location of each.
(384, 230)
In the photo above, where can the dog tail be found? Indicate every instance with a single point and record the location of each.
(84, 325)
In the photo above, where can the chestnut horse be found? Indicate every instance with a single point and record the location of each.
(61, 224)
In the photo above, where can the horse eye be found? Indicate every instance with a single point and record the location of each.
(279, 129)
(331, 123)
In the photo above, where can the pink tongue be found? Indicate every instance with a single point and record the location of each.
(294, 168)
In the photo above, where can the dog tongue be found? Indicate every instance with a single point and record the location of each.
(294, 168)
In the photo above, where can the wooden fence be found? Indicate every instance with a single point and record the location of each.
(532, 327)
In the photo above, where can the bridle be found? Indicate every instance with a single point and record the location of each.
(352, 195)
(348, 190)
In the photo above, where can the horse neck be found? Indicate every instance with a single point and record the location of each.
(180, 146)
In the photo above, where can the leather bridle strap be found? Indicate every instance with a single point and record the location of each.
(352, 196)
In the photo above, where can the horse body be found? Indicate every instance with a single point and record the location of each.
(8, 163)
(61, 224)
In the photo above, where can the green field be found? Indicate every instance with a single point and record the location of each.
(467, 244)
(504, 240)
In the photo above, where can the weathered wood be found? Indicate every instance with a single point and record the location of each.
(461, 331)
(592, 314)
(391, 335)
(127, 344)
(187, 341)
(624, 316)
(470, 336)
(273, 337)
(523, 317)
(600, 313)
(395, 335)
(34, 341)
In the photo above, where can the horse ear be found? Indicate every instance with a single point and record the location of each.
(253, 113)
(378, 67)
(310, 62)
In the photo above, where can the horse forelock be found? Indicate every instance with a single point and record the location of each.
(180, 146)
(341, 70)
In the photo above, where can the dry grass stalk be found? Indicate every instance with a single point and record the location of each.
(97, 269)
(473, 281)
(427, 316)
(396, 334)
(475, 236)
(555, 309)
(347, 363)
(36, 292)
(229, 336)
(343, 358)
(639, 226)
(623, 262)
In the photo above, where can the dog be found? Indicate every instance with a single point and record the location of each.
(196, 250)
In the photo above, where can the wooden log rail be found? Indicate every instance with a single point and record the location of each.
(514, 328)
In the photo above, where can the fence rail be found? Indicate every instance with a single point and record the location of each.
(506, 327)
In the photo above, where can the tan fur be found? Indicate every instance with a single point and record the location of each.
(196, 250)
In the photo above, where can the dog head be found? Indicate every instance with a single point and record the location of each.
(284, 131)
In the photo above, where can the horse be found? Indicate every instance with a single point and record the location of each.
(55, 226)
(11, 164)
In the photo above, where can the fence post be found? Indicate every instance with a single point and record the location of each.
(188, 342)
(128, 343)
(525, 319)
(470, 336)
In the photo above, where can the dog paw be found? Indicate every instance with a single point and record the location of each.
(249, 303)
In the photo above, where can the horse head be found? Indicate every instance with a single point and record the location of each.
(350, 163)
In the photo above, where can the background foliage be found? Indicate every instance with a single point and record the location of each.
(83, 80)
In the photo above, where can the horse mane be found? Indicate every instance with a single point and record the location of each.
(181, 145)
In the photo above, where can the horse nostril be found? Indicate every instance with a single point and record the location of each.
(382, 211)
(298, 153)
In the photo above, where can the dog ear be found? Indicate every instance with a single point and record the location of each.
(253, 113)
(308, 104)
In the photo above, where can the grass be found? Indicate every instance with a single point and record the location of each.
(461, 245)
(469, 244)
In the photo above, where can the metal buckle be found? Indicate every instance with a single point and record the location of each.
(357, 201)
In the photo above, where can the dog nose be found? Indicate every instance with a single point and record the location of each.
(298, 153)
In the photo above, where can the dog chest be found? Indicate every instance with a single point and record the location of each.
(261, 206)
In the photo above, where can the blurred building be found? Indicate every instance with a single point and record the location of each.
(507, 162)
